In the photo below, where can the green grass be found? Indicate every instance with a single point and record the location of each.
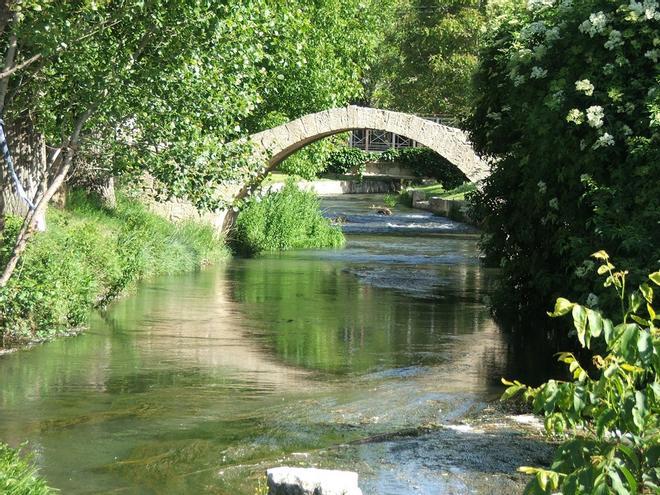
(18, 476)
(457, 193)
(283, 220)
(90, 256)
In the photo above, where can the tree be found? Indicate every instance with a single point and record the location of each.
(157, 85)
(568, 107)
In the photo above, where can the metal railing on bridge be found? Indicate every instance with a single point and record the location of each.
(379, 141)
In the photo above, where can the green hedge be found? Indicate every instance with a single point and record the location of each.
(569, 106)
(424, 162)
(282, 220)
(87, 258)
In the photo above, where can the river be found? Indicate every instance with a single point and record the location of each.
(197, 383)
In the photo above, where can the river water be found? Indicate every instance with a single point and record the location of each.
(197, 383)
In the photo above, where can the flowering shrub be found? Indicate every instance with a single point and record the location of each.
(569, 107)
(613, 407)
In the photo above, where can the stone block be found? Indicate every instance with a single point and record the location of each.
(311, 481)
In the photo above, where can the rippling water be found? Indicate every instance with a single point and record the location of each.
(197, 382)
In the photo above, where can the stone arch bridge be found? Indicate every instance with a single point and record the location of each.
(274, 145)
(277, 143)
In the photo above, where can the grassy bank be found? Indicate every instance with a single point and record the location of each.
(282, 220)
(90, 256)
(438, 190)
(18, 476)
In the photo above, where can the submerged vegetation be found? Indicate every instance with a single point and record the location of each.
(285, 219)
(88, 257)
(18, 476)
(611, 410)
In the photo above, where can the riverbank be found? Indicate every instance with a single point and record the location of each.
(90, 256)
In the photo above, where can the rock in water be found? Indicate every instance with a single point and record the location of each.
(311, 481)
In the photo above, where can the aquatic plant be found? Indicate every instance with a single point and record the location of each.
(609, 412)
(18, 475)
(286, 219)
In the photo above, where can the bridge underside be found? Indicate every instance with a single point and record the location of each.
(274, 145)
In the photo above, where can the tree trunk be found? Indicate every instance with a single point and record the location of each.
(28, 150)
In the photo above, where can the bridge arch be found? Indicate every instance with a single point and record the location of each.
(453, 144)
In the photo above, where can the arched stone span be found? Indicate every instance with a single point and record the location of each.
(280, 142)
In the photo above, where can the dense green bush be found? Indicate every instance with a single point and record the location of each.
(285, 219)
(424, 162)
(610, 410)
(569, 105)
(348, 160)
(18, 476)
(87, 258)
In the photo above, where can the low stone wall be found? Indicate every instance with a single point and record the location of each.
(323, 187)
(178, 209)
(451, 208)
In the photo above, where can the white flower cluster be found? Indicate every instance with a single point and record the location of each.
(554, 203)
(531, 29)
(565, 5)
(595, 115)
(585, 87)
(552, 34)
(596, 24)
(538, 73)
(539, 4)
(575, 116)
(614, 41)
(606, 139)
(647, 9)
(543, 187)
(653, 55)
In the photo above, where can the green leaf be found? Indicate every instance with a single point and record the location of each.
(630, 454)
(580, 322)
(640, 320)
(655, 277)
(603, 421)
(600, 255)
(617, 484)
(608, 330)
(562, 307)
(632, 483)
(511, 391)
(647, 292)
(645, 346)
(595, 323)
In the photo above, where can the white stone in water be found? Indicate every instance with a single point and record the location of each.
(311, 481)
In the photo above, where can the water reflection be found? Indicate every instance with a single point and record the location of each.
(183, 386)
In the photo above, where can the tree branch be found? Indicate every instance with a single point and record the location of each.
(10, 54)
(42, 198)
(8, 72)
